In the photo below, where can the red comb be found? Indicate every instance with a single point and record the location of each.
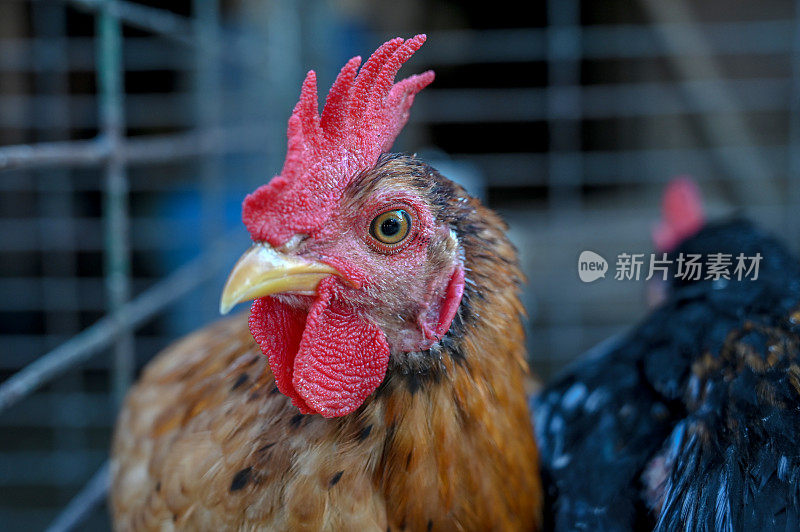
(682, 214)
(363, 115)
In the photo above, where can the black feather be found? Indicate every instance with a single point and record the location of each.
(691, 421)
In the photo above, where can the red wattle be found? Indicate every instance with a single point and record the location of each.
(278, 328)
(342, 357)
(327, 361)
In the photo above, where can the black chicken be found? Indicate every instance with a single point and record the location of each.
(690, 421)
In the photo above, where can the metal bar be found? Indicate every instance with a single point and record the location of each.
(608, 41)
(95, 410)
(21, 349)
(56, 199)
(178, 29)
(207, 100)
(629, 166)
(158, 21)
(793, 160)
(207, 108)
(141, 54)
(279, 22)
(564, 100)
(115, 194)
(641, 41)
(602, 166)
(137, 150)
(764, 37)
(102, 333)
(602, 101)
(230, 139)
(67, 153)
(58, 467)
(84, 502)
(466, 105)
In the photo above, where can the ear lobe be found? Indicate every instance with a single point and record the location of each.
(451, 302)
(435, 324)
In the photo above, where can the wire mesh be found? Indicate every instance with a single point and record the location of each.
(132, 132)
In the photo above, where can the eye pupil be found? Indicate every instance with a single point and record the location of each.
(390, 226)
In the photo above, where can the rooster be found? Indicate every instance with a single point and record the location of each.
(378, 383)
(691, 420)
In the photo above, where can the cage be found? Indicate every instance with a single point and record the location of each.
(130, 132)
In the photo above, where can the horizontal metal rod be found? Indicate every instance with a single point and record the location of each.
(180, 29)
(54, 466)
(59, 293)
(140, 54)
(100, 335)
(146, 176)
(146, 110)
(607, 101)
(626, 166)
(504, 169)
(572, 102)
(453, 47)
(67, 153)
(605, 41)
(84, 502)
(159, 21)
(452, 106)
(47, 409)
(20, 350)
(136, 150)
(219, 140)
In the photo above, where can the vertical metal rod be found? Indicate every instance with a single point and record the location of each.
(56, 198)
(55, 185)
(110, 74)
(280, 21)
(793, 203)
(565, 171)
(207, 96)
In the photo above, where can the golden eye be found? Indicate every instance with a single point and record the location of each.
(391, 227)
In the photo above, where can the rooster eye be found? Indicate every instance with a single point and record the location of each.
(391, 227)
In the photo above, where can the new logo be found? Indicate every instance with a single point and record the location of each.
(591, 266)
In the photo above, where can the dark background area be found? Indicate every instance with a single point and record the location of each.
(567, 117)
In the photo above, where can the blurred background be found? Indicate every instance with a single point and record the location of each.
(130, 132)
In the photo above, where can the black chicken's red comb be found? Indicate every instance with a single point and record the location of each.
(682, 213)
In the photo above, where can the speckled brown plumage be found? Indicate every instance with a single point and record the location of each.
(206, 442)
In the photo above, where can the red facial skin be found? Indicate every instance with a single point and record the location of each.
(329, 353)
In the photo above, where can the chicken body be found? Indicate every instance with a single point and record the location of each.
(207, 442)
(690, 421)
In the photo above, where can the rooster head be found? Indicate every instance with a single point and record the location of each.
(353, 260)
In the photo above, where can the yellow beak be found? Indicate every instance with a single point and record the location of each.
(262, 271)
